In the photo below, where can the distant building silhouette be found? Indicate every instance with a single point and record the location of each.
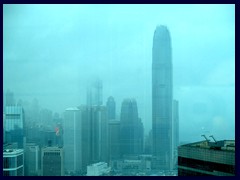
(114, 139)
(131, 129)
(99, 145)
(94, 93)
(10, 100)
(175, 133)
(111, 108)
(162, 128)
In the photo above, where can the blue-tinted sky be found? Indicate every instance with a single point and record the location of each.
(51, 51)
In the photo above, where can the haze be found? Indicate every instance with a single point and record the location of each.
(50, 52)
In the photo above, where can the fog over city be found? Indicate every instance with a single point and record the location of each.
(51, 52)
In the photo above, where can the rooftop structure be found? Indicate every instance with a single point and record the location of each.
(207, 158)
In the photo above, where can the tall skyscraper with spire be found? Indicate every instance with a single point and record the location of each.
(162, 99)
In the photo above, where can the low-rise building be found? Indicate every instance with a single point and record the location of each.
(207, 158)
(98, 169)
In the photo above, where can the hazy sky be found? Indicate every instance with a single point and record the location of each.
(51, 51)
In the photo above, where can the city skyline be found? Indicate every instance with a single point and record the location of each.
(120, 55)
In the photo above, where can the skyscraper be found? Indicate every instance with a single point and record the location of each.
(98, 134)
(162, 98)
(131, 129)
(94, 93)
(111, 108)
(14, 125)
(114, 137)
(72, 139)
(175, 133)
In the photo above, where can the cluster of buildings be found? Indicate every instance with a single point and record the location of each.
(90, 140)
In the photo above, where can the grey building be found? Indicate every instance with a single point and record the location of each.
(111, 108)
(72, 140)
(162, 99)
(206, 158)
(114, 139)
(175, 133)
(52, 161)
(131, 129)
(85, 138)
(32, 159)
(99, 143)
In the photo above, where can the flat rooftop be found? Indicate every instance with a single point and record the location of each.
(226, 145)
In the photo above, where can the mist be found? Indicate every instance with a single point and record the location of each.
(50, 52)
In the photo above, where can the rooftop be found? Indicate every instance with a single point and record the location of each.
(12, 151)
(226, 145)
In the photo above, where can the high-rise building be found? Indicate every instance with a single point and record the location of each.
(114, 139)
(32, 159)
(94, 93)
(175, 133)
(131, 129)
(52, 161)
(162, 98)
(85, 137)
(111, 108)
(13, 162)
(207, 158)
(72, 139)
(99, 144)
(14, 125)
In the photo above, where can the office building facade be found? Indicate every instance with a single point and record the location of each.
(13, 162)
(99, 144)
(206, 158)
(52, 161)
(114, 139)
(72, 140)
(14, 125)
(32, 159)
